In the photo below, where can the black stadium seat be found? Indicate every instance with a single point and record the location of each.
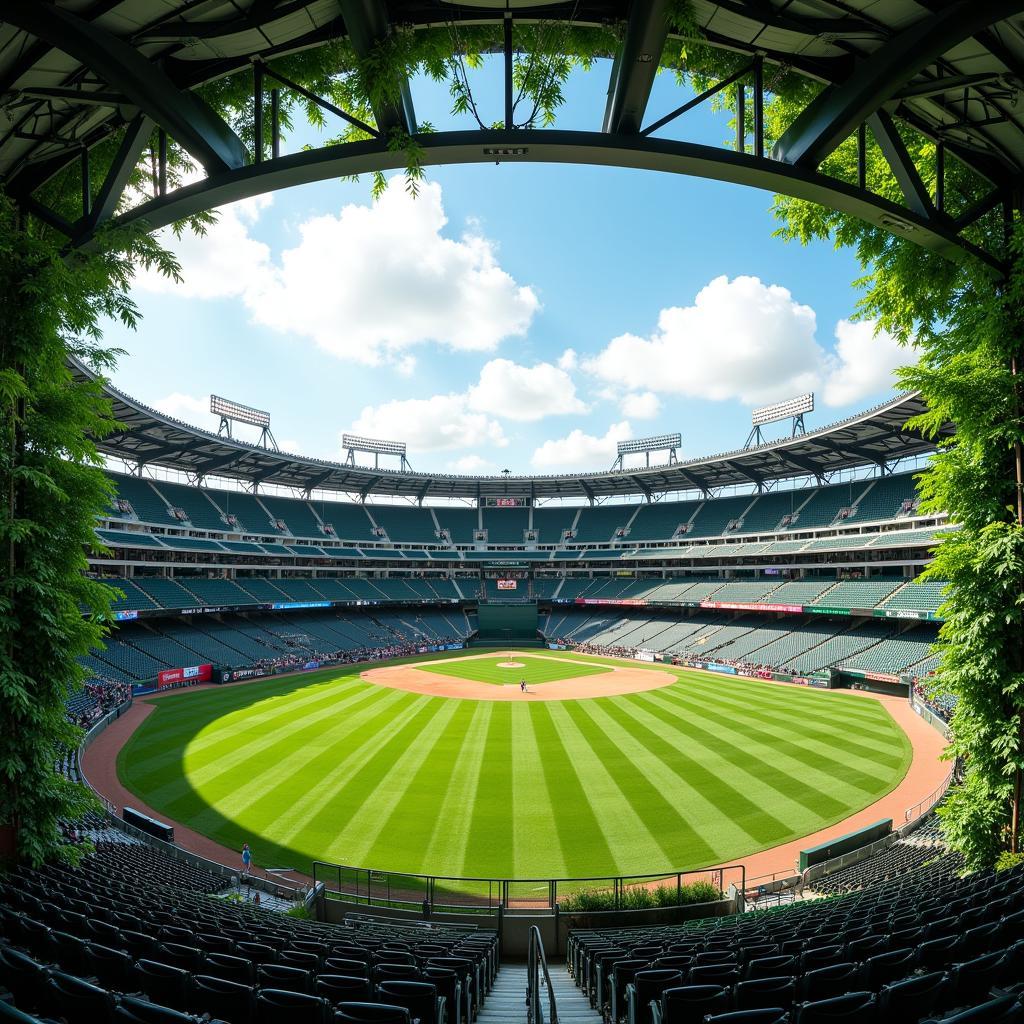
(371, 1013)
(690, 1004)
(76, 999)
(278, 1006)
(851, 1008)
(339, 988)
(223, 1000)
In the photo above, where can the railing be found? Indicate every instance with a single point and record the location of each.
(452, 894)
(537, 968)
(922, 807)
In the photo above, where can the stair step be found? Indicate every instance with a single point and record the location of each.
(506, 1002)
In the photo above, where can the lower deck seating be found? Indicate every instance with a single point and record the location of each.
(133, 935)
(919, 945)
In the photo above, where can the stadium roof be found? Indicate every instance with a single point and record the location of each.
(75, 72)
(877, 437)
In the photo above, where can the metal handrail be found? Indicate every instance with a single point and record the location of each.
(536, 965)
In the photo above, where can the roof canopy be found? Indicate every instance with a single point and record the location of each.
(876, 437)
(74, 73)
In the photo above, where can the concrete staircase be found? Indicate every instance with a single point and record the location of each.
(506, 1002)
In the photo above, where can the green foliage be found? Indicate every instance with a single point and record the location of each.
(299, 911)
(639, 898)
(51, 490)
(1008, 860)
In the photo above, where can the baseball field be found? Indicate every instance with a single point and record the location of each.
(331, 766)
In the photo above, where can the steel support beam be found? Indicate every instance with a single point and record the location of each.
(553, 146)
(136, 138)
(915, 194)
(184, 115)
(635, 66)
(836, 113)
(368, 24)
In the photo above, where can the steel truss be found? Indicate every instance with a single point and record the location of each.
(865, 97)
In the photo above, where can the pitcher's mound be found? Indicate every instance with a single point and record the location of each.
(511, 664)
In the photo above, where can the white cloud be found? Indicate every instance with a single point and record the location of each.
(291, 446)
(524, 393)
(864, 361)
(180, 406)
(568, 360)
(746, 340)
(475, 464)
(740, 339)
(439, 423)
(373, 281)
(643, 405)
(581, 451)
(226, 262)
(364, 285)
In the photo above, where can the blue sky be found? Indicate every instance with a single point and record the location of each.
(521, 317)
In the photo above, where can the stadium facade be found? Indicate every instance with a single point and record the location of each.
(796, 556)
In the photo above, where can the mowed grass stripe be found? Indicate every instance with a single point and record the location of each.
(272, 801)
(489, 850)
(866, 742)
(448, 843)
(388, 787)
(627, 834)
(249, 717)
(712, 783)
(747, 746)
(744, 767)
(311, 748)
(534, 808)
(865, 769)
(358, 777)
(584, 847)
(425, 791)
(219, 764)
(653, 785)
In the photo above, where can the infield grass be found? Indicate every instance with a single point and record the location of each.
(534, 670)
(327, 766)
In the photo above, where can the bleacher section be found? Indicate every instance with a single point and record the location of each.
(550, 523)
(135, 935)
(297, 515)
(917, 943)
(195, 503)
(406, 525)
(459, 522)
(506, 525)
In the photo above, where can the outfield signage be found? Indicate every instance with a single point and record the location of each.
(816, 610)
(285, 605)
(191, 674)
(631, 602)
(744, 606)
(903, 613)
(126, 614)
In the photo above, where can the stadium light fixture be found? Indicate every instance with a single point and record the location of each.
(790, 409)
(645, 445)
(235, 412)
(376, 447)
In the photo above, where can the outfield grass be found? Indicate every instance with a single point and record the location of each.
(534, 670)
(327, 766)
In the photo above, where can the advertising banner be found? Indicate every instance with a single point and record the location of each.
(816, 610)
(742, 606)
(557, 647)
(507, 584)
(278, 606)
(235, 674)
(713, 666)
(128, 613)
(645, 656)
(191, 674)
(631, 602)
(903, 613)
(454, 647)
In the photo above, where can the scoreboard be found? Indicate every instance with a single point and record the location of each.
(505, 501)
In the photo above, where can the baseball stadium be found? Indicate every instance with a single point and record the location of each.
(729, 738)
